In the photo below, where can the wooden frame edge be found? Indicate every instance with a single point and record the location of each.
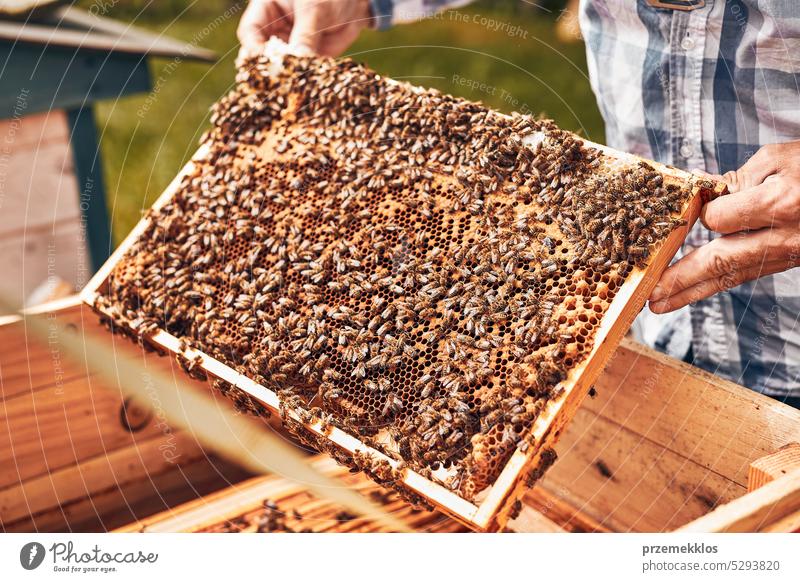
(777, 502)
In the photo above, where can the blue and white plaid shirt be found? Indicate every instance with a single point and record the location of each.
(698, 89)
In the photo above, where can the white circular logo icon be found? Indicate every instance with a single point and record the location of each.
(31, 555)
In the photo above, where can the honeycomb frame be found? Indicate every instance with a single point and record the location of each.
(491, 511)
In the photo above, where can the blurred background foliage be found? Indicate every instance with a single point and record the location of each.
(510, 46)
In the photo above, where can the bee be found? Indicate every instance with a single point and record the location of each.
(594, 225)
(393, 405)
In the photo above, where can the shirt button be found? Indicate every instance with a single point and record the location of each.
(687, 43)
(687, 151)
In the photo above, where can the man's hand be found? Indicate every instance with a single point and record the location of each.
(760, 219)
(326, 27)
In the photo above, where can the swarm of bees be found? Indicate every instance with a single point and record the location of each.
(413, 268)
(308, 514)
(269, 519)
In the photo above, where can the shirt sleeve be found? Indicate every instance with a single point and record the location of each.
(390, 12)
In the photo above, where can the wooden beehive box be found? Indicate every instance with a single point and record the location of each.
(662, 446)
(487, 506)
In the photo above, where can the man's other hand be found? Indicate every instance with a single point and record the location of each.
(325, 27)
(760, 221)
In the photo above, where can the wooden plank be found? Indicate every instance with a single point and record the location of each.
(770, 467)
(628, 483)
(100, 37)
(755, 511)
(40, 188)
(556, 508)
(653, 499)
(154, 493)
(34, 130)
(244, 502)
(46, 399)
(531, 521)
(36, 256)
(155, 44)
(716, 423)
(126, 502)
(22, 372)
(28, 364)
(228, 503)
(788, 524)
(74, 466)
(103, 472)
(246, 498)
(47, 430)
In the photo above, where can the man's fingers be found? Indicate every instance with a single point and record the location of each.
(695, 267)
(717, 284)
(764, 162)
(759, 220)
(261, 20)
(725, 257)
(306, 33)
(771, 204)
(251, 31)
(749, 209)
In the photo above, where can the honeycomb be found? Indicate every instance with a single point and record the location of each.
(413, 268)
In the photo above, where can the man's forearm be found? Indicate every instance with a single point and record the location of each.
(389, 12)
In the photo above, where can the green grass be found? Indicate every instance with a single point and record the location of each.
(146, 139)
